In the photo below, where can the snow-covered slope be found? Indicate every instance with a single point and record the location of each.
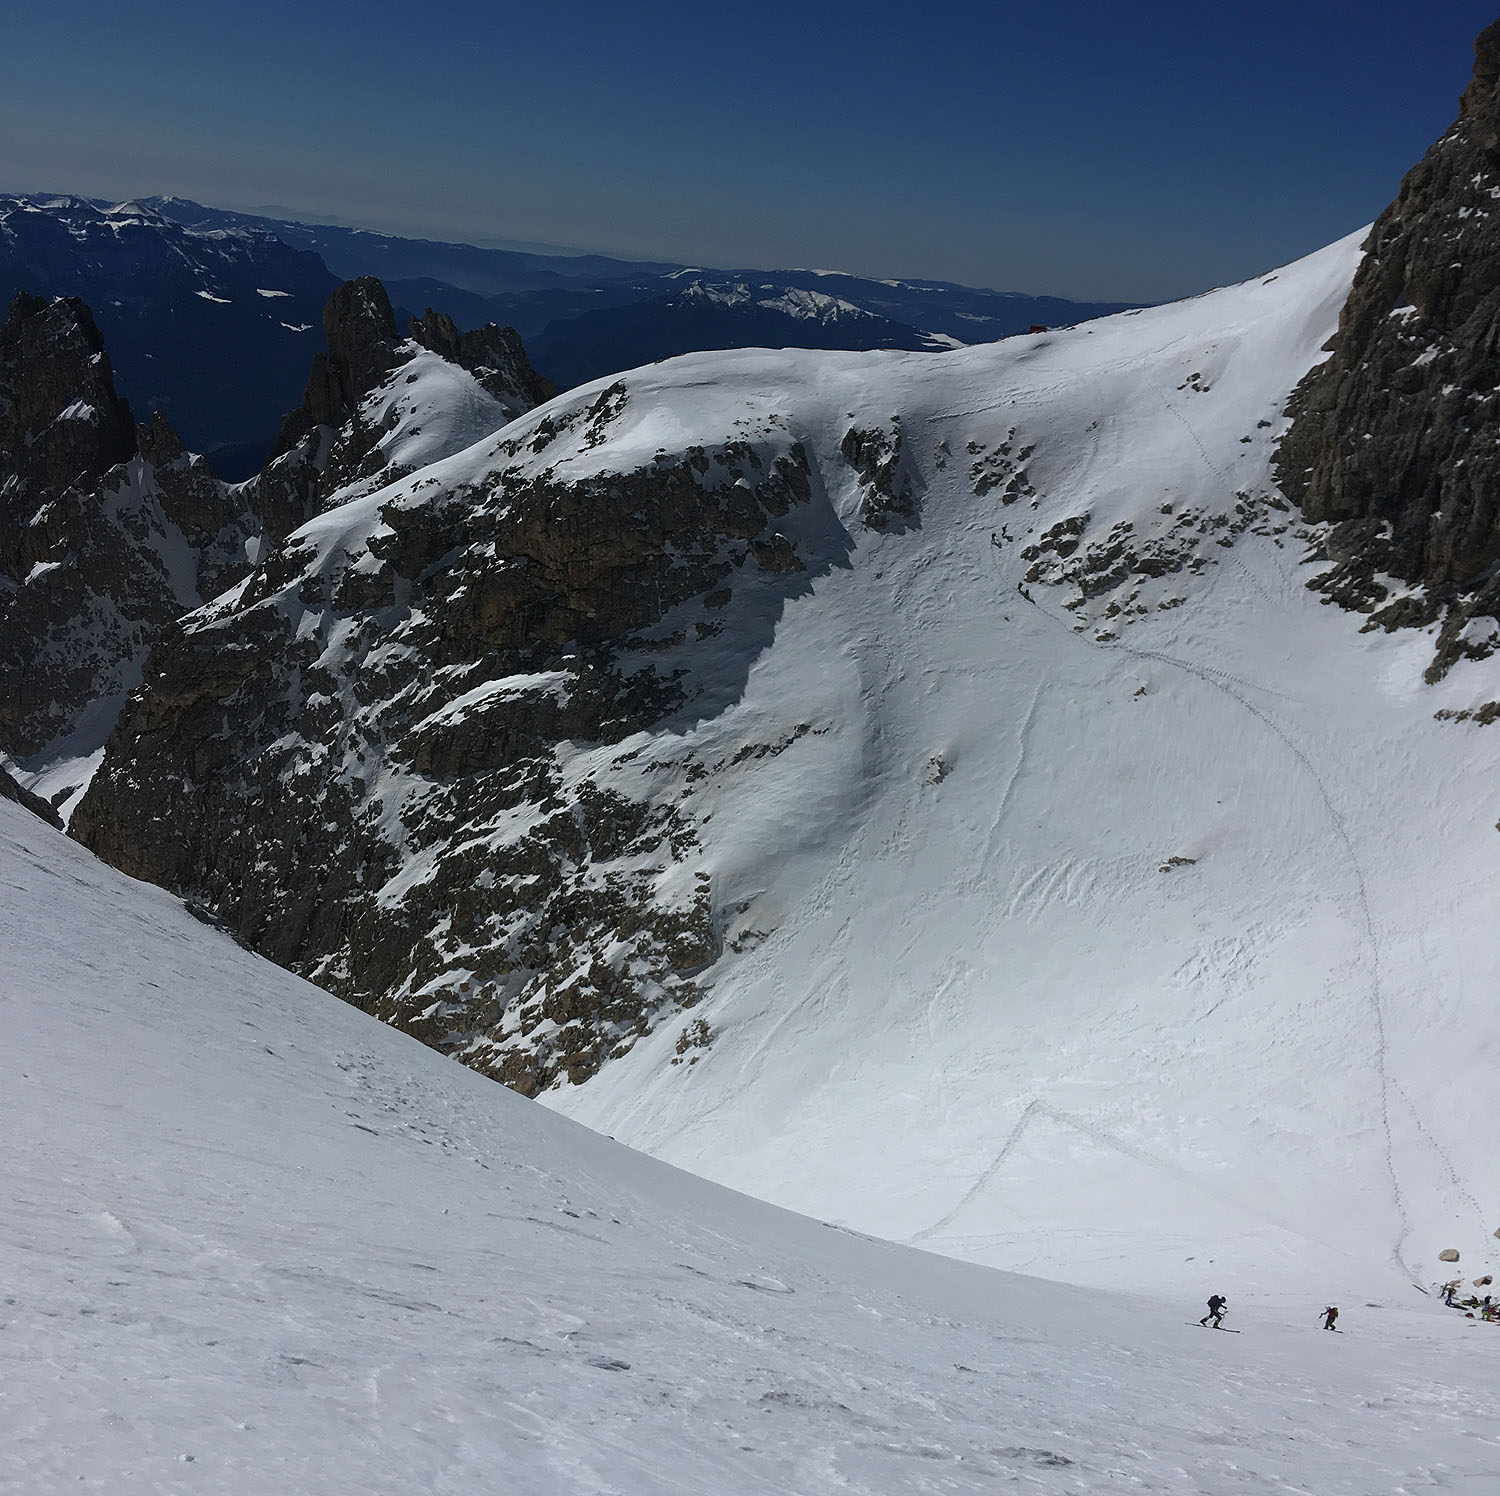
(430, 408)
(982, 1015)
(1059, 883)
(981, 1004)
(255, 1242)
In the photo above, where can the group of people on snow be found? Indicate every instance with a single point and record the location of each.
(1475, 1307)
(1486, 1308)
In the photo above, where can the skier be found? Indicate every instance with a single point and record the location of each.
(1449, 1289)
(1329, 1315)
(1216, 1307)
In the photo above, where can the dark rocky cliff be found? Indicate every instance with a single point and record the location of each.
(108, 532)
(1395, 438)
(61, 422)
(359, 761)
(172, 302)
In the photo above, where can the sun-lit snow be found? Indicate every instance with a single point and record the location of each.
(1140, 938)
(256, 1242)
(429, 408)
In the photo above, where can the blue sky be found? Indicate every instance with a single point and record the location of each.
(1128, 150)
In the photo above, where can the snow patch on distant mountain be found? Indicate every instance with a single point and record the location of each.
(812, 306)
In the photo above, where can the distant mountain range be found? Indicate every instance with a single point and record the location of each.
(213, 327)
(173, 284)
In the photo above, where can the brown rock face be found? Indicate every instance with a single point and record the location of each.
(361, 763)
(1397, 435)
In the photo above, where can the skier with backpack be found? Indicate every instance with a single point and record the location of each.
(1330, 1314)
(1216, 1307)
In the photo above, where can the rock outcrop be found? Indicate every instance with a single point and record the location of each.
(61, 423)
(493, 355)
(361, 760)
(108, 533)
(323, 442)
(338, 436)
(1395, 439)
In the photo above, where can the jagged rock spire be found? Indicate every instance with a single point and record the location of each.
(1397, 435)
(61, 422)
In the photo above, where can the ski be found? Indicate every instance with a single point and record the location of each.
(1224, 1328)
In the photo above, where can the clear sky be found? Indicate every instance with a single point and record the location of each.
(1139, 149)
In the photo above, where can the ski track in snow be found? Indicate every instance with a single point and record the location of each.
(1015, 773)
(1107, 1139)
(257, 1242)
(1223, 681)
(1196, 440)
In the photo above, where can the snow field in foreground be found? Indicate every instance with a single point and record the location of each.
(254, 1241)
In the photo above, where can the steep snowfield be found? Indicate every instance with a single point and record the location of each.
(968, 999)
(256, 1242)
(429, 408)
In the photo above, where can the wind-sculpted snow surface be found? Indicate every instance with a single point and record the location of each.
(256, 1243)
(915, 788)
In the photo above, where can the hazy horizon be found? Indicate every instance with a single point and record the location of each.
(1085, 152)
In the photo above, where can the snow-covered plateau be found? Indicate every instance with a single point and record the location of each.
(257, 1242)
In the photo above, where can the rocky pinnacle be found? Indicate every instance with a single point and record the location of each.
(1396, 437)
